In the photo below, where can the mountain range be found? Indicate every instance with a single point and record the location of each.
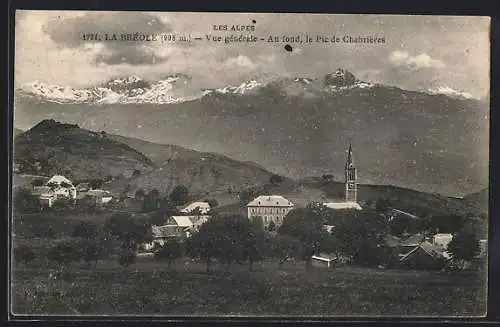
(293, 126)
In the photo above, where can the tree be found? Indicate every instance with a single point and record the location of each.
(247, 195)
(152, 201)
(361, 237)
(64, 253)
(24, 201)
(126, 258)
(307, 227)
(276, 179)
(136, 173)
(271, 226)
(179, 195)
(140, 193)
(169, 251)
(327, 177)
(89, 250)
(96, 183)
(129, 231)
(37, 182)
(464, 246)
(212, 203)
(227, 238)
(285, 247)
(85, 230)
(382, 205)
(24, 253)
(449, 223)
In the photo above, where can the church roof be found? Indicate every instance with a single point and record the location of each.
(342, 205)
(270, 201)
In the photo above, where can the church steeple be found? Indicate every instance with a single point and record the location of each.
(350, 158)
(351, 186)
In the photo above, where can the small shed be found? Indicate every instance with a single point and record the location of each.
(323, 260)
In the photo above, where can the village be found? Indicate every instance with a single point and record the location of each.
(415, 249)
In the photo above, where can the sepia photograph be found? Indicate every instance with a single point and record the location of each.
(182, 164)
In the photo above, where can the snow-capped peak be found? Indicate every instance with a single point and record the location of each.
(303, 80)
(446, 90)
(56, 93)
(131, 89)
(243, 88)
(126, 80)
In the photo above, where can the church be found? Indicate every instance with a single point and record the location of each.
(351, 186)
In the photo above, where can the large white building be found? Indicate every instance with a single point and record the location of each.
(271, 208)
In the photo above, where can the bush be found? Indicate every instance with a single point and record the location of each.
(24, 201)
(276, 179)
(464, 246)
(24, 253)
(179, 195)
(126, 258)
(169, 251)
(85, 230)
(64, 253)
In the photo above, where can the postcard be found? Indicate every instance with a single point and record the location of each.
(176, 164)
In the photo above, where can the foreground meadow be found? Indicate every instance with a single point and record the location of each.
(149, 287)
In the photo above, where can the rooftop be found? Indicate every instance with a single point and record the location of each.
(270, 201)
(342, 205)
(203, 206)
(58, 179)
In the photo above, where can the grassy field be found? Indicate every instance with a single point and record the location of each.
(149, 287)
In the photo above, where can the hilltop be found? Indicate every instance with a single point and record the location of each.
(77, 153)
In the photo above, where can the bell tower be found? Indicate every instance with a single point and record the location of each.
(351, 185)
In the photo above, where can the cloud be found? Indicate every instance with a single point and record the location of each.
(241, 61)
(403, 59)
(445, 89)
(68, 33)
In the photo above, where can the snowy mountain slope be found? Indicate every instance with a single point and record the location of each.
(171, 89)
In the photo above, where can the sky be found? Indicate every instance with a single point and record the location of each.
(420, 52)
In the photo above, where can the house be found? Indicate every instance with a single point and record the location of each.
(203, 207)
(441, 240)
(16, 167)
(342, 205)
(45, 195)
(424, 256)
(178, 227)
(62, 187)
(328, 228)
(271, 208)
(101, 197)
